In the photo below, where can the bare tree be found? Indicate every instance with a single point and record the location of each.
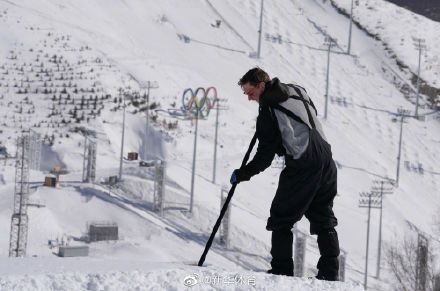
(404, 260)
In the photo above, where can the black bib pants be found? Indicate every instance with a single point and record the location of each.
(307, 186)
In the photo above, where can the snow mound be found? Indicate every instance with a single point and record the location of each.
(163, 276)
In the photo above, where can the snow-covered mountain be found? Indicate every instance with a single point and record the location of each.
(428, 8)
(65, 63)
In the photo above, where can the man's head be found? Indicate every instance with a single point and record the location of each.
(253, 83)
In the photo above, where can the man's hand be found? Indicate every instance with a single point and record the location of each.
(239, 176)
(234, 177)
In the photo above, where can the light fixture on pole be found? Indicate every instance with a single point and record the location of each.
(381, 190)
(367, 203)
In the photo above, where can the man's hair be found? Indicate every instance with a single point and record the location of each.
(254, 76)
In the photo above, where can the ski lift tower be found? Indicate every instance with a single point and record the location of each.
(19, 219)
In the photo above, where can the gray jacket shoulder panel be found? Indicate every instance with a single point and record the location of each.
(294, 135)
(297, 107)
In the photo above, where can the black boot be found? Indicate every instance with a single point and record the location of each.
(328, 264)
(280, 267)
(282, 262)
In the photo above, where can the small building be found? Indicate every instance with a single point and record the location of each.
(73, 251)
(50, 181)
(132, 156)
(99, 231)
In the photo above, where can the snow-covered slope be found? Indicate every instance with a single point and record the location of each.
(124, 44)
(397, 27)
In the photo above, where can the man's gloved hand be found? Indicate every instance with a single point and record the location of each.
(238, 176)
(234, 177)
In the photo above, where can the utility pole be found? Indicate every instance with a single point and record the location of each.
(194, 161)
(329, 43)
(350, 29)
(214, 167)
(260, 30)
(122, 139)
(380, 190)
(192, 106)
(198, 106)
(420, 45)
(218, 108)
(367, 203)
(149, 85)
(402, 113)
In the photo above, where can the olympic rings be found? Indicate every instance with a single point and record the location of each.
(199, 102)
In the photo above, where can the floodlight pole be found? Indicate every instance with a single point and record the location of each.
(381, 191)
(368, 240)
(122, 141)
(194, 162)
(380, 232)
(419, 46)
(215, 142)
(400, 148)
(327, 78)
(260, 30)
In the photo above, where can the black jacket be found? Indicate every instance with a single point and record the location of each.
(268, 133)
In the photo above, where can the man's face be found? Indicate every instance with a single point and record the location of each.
(253, 92)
